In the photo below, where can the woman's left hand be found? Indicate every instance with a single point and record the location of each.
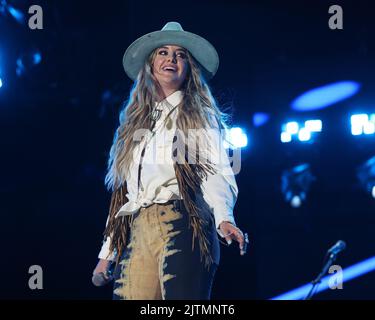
(231, 232)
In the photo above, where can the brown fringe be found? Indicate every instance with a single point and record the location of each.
(117, 228)
(189, 179)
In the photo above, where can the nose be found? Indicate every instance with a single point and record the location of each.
(172, 58)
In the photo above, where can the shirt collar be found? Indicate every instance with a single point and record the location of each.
(171, 101)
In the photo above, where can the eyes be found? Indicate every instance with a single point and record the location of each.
(179, 54)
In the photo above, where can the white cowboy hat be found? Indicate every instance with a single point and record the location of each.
(171, 34)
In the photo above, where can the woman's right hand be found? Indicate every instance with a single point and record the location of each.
(102, 266)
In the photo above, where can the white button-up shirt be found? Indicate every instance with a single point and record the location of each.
(158, 182)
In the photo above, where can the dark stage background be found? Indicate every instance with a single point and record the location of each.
(57, 122)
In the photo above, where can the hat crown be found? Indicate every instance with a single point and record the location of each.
(172, 26)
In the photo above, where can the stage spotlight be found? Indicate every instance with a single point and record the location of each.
(292, 127)
(286, 137)
(237, 138)
(296, 202)
(17, 14)
(366, 176)
(325, 96)
(295, 184)
(1, 82)
(303, 132)
(314, 125)
(260, 118)
(27, 61)
(362, 124)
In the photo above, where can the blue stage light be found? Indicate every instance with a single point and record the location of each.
(1, 82)
(303, 132)
(295, 184)
(325, 96)
(286, 137)
(237, 138)
(292, 127)
(314, 125)
(349, 273)
(366, 176)
(296, 202)
(260, 118)
(362, 124)
(37, 57)
(304, 135)
(27, 61)
(17, 14)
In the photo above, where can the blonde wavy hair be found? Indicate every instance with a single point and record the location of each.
(194, 112)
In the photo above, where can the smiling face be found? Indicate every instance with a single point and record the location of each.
(170, 67)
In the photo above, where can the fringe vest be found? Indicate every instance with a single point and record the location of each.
(189, 178)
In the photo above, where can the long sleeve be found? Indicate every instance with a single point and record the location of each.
(104, 251)
(220, 190)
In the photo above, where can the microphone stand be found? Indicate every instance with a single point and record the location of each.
(316, 282)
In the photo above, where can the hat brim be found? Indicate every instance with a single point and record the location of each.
(203, 51)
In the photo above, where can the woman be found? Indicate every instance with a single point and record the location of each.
(170, 197)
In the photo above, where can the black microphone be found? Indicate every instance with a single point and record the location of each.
(102, 278)
(338, 247)
(331, 255)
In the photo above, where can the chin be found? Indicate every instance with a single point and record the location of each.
(170, 80)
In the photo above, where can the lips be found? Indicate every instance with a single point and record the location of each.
(170, 68)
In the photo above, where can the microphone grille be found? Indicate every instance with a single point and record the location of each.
(98, 279)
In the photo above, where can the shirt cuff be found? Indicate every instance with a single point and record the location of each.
(105, 253)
